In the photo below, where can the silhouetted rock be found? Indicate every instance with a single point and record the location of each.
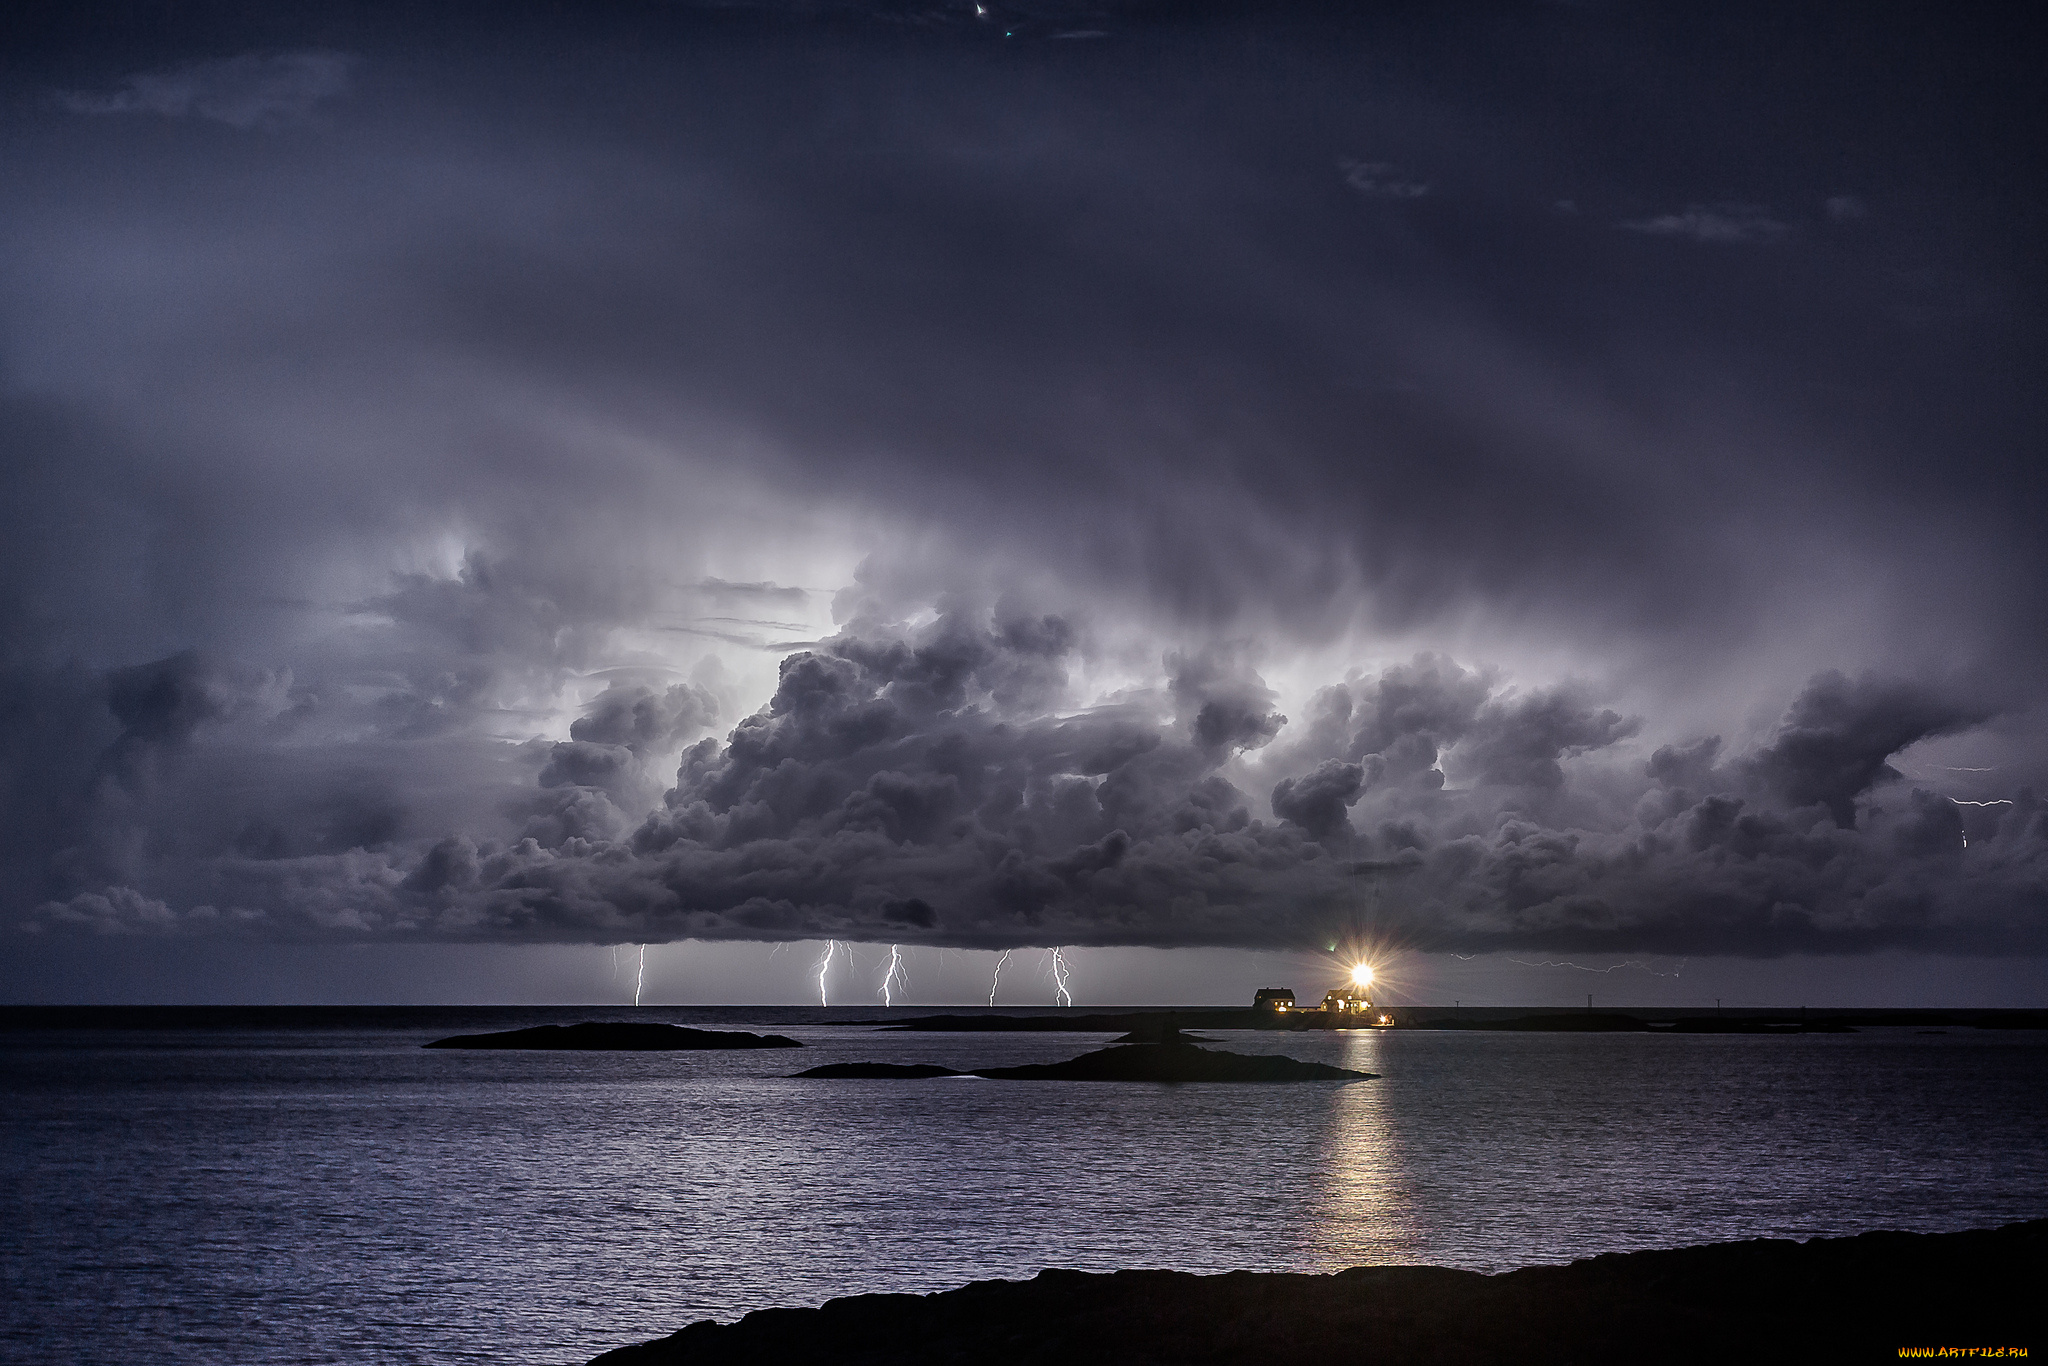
(900, 1071)
(2011, 1019)
(1177, 1060)
(1831, 1299)
(1172, 1062)
(615, 1036)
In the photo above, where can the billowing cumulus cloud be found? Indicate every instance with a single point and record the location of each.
(861, 471)
(938, 785)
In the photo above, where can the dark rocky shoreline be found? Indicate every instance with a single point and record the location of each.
(1767, 1300)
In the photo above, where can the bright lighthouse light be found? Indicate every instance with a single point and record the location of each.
(1362, 975)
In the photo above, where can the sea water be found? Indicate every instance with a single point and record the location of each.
(313, 1186)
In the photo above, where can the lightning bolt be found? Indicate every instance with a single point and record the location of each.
(824, 966)
(893, 977)
(993, 981)
(1058, 964)
(1615, 968)
(2002, 801)
(640, 979)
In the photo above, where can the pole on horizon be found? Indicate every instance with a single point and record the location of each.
(1589, 1003)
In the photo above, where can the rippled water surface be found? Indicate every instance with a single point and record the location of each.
(320, 1189)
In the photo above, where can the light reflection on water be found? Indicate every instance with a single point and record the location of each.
(343, 1195)
(1362, 1210)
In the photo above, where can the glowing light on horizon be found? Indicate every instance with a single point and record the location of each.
(1362, 975)
(996, 980)
(893, 978)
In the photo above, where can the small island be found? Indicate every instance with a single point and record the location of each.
(1168, 1057)
(881, 1071)
(614, 1036)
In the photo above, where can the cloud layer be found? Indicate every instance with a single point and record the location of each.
(868, 472)
(935, 785)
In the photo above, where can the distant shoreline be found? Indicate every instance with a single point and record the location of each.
(1860, 1298)
(1113, 1018)
(1752, 1021)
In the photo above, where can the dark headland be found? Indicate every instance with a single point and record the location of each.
(615, 1036)
(1829, 1300)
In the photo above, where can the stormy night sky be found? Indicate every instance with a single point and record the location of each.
(1549, 494)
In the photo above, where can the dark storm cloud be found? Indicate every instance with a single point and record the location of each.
(390, 436)
(626, 728)
(1833, 745)
(1108, 294)
(906, 789)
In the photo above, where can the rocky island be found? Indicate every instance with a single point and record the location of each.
(1161, 1056)
(1831, 1299)
(615, 1036)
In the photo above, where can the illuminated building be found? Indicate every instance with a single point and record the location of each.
(1347, 1006)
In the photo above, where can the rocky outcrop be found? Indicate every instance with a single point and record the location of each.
(885, 1071)
(615, 1036)
(1828, 1300)
(1172, 1062)
(1175, 1061)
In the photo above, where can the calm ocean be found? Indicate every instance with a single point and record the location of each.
(312, 1186)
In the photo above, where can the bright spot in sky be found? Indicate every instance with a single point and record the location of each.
(1362, 975)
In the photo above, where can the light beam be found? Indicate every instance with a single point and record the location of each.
(996, 980)
(893, 977)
